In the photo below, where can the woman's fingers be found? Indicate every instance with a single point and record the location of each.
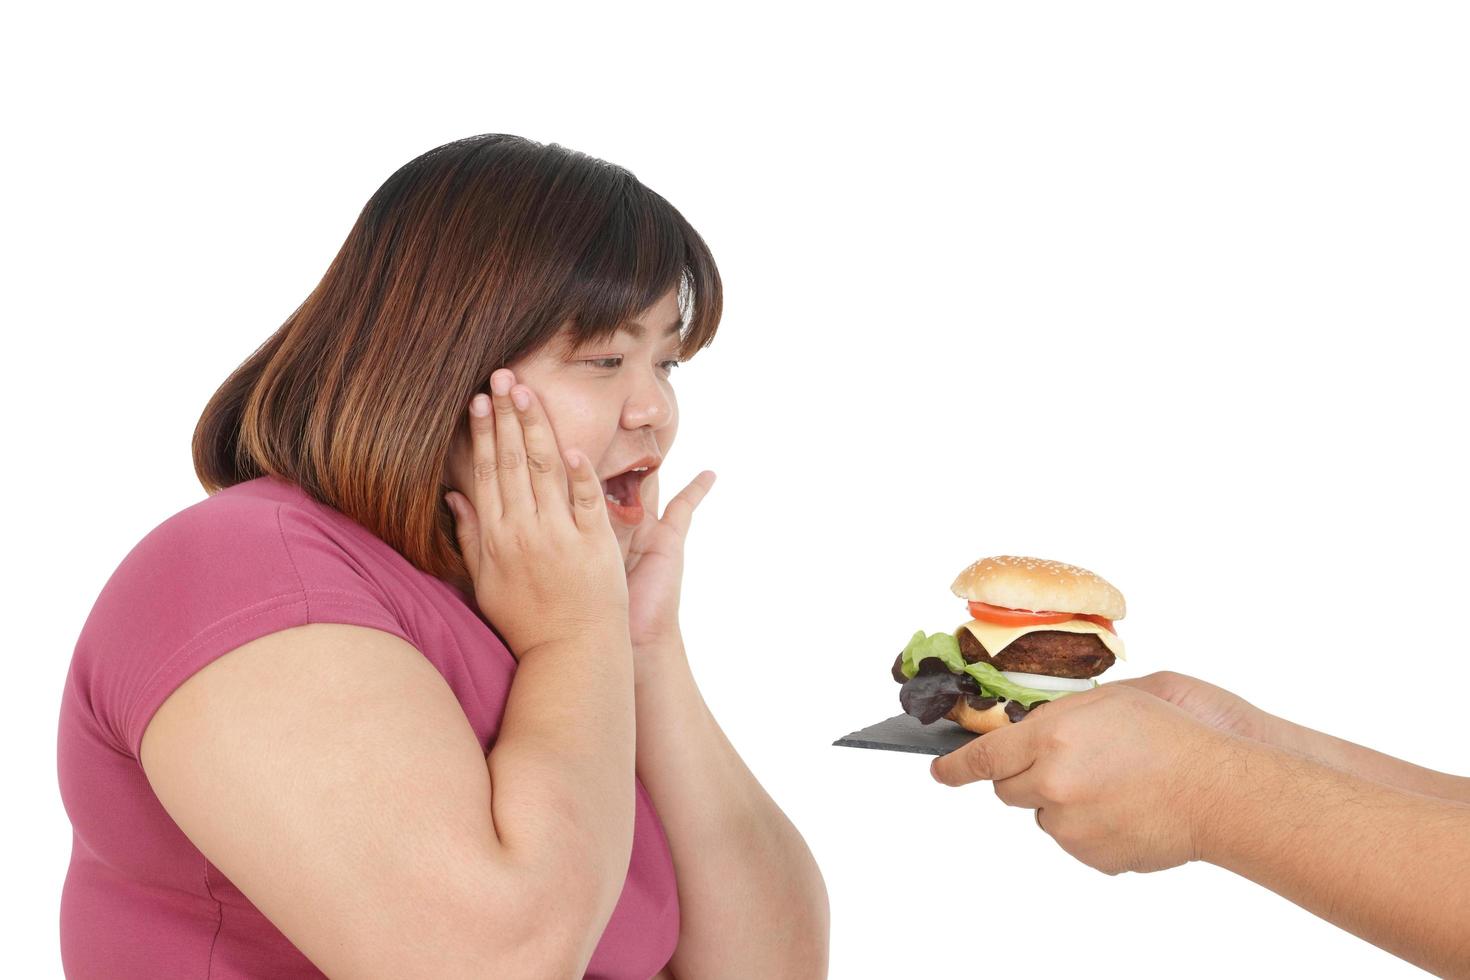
(516, 498)
(589, 508)
(543, 460)
(485, 493)
(680, 510)
(466, 531)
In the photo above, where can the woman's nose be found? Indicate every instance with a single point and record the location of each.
(651, 404)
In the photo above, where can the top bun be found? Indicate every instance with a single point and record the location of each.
(1039, 585)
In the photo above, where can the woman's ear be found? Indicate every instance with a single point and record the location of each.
(457, 465)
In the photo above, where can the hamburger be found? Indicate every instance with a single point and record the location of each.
(1039, 630)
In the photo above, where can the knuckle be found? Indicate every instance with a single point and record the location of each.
(1046, 787)
(484, 469)
(1055, 786)
(509, 459)
(540, 462)
(978, 761)
(1061, 737)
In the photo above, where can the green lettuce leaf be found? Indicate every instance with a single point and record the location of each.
(997, 685)
(992, 682)
(921, 647)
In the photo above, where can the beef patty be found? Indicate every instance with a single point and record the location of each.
(1047, 652)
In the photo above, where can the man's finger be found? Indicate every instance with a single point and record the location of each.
(1022, 790)
(997, 755)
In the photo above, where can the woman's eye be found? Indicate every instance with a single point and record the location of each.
(604, 362)
(669, 365)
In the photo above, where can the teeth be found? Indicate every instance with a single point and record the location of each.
(640, 469)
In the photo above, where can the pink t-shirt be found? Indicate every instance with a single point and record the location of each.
(140, 900)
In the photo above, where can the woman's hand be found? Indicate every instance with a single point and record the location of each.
(655, 566)
(1123, 780)
(543, 557)
(1212, 705)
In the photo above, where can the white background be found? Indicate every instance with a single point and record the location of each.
(1173, 291)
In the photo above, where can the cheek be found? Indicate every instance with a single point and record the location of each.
(667, 433)
(576, 421)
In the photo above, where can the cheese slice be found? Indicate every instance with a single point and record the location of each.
(996, 638)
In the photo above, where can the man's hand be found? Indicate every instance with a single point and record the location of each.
(1123, 780)
(1215, 706)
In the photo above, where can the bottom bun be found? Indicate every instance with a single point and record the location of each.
(979, 722)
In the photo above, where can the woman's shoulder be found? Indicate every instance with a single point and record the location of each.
(265, 538)
(252, 559)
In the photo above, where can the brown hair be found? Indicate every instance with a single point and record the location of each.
(469, 257)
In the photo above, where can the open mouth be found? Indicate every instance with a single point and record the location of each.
(624, 502)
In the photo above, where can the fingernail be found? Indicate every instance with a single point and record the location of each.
(574, 460)
(522, 398)
(499, 382)
(480, 405)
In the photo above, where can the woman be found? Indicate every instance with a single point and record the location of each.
(333, 719)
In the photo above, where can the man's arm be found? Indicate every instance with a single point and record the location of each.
(1126, 781)
(751, 899)
(1229, 712)
(1388, 864)
(1365, 762)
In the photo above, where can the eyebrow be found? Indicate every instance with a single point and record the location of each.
(638, 330)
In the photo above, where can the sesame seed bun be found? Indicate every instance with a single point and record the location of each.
(1017, 582)
(979, 722)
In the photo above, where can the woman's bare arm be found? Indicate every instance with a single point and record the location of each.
(331, 774)
(751, 898)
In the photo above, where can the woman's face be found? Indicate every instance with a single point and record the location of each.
(613, 400)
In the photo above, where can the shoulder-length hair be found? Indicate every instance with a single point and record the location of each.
(468, 257)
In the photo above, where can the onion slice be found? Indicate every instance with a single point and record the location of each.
(1045, 682)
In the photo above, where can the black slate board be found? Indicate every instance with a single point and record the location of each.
(904, 733)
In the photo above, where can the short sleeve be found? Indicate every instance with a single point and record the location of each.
(209, 579)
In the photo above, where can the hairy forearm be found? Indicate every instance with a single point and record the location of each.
(561, 769)
(751, 899)
(1388, 865)
(1365, 762)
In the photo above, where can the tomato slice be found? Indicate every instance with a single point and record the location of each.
(1106, 624)
(1002, 616)
(1015, 617)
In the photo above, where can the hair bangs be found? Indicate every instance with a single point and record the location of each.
(645, 249)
